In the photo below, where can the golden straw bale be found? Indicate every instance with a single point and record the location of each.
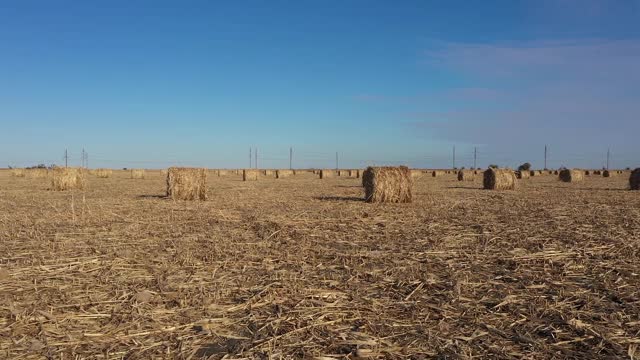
(522, 174)
(325, 173)
(250, 175)
(68, 179)
(37, 173)
(18, 172)
(187, 183)
(466, 175)
(499, 179)
(388, 184)
(137, 174)
(103, 173)
(571, 175)
(416, 174)
(281, 174)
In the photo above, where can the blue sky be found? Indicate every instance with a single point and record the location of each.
(159, 83)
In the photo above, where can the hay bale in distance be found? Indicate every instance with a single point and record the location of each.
(608, 173)
(137, 174)
(499, 179)
(466, 175)
(326, 173)
(37, 173)
(587, 172)
(533, 173)
(281, 174)
(18, 172)
(571, 175)
(436, 173)
(416, 174)
(103, 173)
(187, 183)
(250, 175)
(634, 179)
(522, 174)
(63, 179)
(388, 184)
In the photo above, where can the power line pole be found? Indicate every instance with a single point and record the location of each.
(454, 156)
(66, 158)
(545, 157)
(337, 167)
(608, 155)
(291, 158)
(250, 158)
(256, 158)
(475, 157)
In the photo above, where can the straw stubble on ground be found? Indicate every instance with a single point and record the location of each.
(302, 268)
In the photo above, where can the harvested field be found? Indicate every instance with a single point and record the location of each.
(302, 268)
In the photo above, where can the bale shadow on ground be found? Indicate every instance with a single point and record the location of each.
(339, 198)
(152, 197)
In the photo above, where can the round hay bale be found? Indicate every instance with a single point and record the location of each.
(103, 173)
(18, 172)
(533, 173)
(187, 183)
(436, 173)
(416, 174)
(522, 174)
(63, 179)
(571, 175)
(634, 179)
(325, 173)
(281, 174)
(388, 184)
(137, 174)
(250, 175)
(608, 173)
(499, 179)
(466, 175)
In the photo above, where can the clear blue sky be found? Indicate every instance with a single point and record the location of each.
(158, 83)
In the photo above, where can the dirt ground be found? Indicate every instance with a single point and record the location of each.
(303, 268)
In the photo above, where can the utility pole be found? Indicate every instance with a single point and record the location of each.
(256, 158)
(608, 155)
(454, 156)
(250, 158)
(337, 164)
(291, 158)
(475, 157)
(66, 158)
(545, 157)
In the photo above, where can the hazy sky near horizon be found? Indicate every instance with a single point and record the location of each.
(159, 83)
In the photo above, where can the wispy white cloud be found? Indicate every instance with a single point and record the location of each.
(579, 94)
